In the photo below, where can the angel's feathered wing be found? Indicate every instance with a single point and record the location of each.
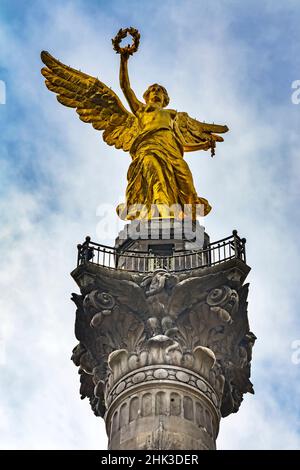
(192, 132)
(95, 103)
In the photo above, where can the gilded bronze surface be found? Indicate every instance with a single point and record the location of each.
(155, 136)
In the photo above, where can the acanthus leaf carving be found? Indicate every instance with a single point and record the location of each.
(198, 323)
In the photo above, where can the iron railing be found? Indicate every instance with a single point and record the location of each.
(137, 261)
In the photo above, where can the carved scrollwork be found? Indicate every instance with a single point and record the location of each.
(217, 296)
(196, 323)
(98, 304)
(96, 301)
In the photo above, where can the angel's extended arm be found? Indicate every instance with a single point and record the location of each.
(129, 94)
(193, 147)
(195, 135)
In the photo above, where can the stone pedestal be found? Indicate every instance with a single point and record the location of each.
(162, 355)
(162, 236)
(160, 239)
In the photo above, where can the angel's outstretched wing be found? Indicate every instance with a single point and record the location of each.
(94, 102)
(193, 133)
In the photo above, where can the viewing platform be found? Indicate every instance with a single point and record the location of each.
(218, 252)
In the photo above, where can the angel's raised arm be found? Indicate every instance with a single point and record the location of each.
(129, 94)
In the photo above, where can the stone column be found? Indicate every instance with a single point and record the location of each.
(163, 355)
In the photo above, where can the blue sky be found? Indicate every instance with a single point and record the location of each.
(225, 61)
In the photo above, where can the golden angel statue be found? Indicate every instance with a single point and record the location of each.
(155, 136)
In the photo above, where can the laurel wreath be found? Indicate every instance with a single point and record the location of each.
(130, 48)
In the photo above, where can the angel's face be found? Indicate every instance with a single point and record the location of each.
(155, 95)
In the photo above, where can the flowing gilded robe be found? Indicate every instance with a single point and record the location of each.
(158, 175)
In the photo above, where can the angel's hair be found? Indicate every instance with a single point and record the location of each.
(166, 96)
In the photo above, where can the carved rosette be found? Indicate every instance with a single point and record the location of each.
(162, 357)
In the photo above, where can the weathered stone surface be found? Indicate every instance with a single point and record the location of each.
(162, 356)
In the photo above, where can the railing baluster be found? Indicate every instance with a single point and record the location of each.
(234, 233)
(214, 253)
(243, 249)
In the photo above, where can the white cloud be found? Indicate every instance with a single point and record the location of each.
(249, 185)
